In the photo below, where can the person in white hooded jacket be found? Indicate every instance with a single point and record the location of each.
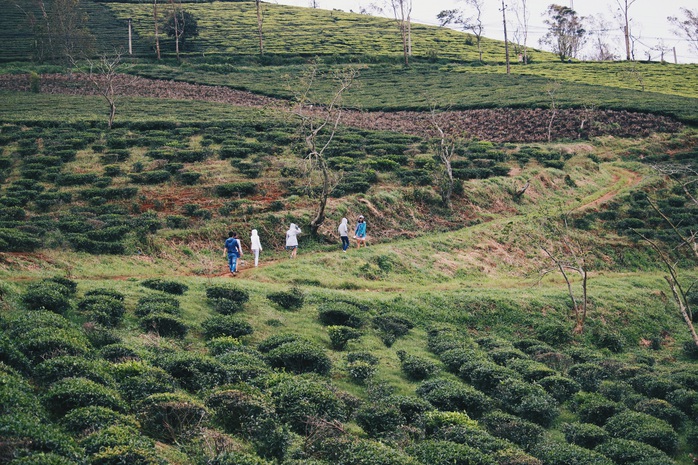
(343, 231)
(292, 239)
(255, 246)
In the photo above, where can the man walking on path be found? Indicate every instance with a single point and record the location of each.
(233, 251)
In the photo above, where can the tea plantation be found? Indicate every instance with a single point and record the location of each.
(530, 322)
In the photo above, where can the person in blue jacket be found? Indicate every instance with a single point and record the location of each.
(360, 232)
(233, 251)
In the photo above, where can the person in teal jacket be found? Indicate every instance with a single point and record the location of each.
(360, 232)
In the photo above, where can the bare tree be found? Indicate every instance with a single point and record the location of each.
(687, 27)
(61, 31)
(551, 90)
(157, 31)
(602, 51)
(523, 15)
(260, 23)
(472, 23)
(506, 39)
(446, 143)
(624, 18)
(318, 126)
(568, 257)
(104, 76)
(402, 12)
(566, 34)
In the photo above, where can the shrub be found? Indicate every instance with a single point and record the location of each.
(40, 344)
(341, 335)
(690, 349)
(194, 371)
(391, 326)
(103, 309)
(606, 339)
(151, 177)
(486, 375)
(231, 293)
(588, 375)
(436, 420)
(366, 452)
(145, 382)
(170, 287)
(512, 428)
(453, 396)
(157, 304)
(560, 387)
(585, 435)
(298, 399)
(379, 418)
(360, 371)
(446, 453)
(617, 391)
(529, 401)
(13, 240)
(47, 295)
(23, 435)
(412, 408)
(86, 420)
(530, 369)
(117, 353)
(595, 408)
(225, 325)
(340, 314)
(644, 428)
(289, 300)
(164, 325)
(300, 357)
(223, 345)
(67, 366)
(653, 385)
(236, 458)
(416, 368)
(42, 458)
(684, 399)
(455, 358)
(663, 410)
(625, 452)
(554, 334)
(443, 338)
(272, 342)
(238, 411)
(503, 355)
(131, 454)
(105, 292)
(470, 435)
(71, 393)
(172, 417)
(235, 189)
(557, 453)
(70, 285)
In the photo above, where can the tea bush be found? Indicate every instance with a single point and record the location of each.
(239, 411)
(105, 292)
(67, 366)
(42, 458)
(654, 385)
(71, 393)
(412, 408)
(530, 369)
(560, 387)
(244, 367)
(685, 400)
(225, 325)
(557, 453)
(103, 309)
(416, 368)
(47, 295)
(172, 417)
(272, 342)
(626, 452)
(235, 189)
(617, 391)
(501, 356)
(300, 357)
(437, 420)
(584, 435)
(453, 359)
(435, 452)
(157, 304)
(644, 428)
(24, 436)
(453, 396)
(340, 336)
(39, 344)
(512, 428)
(194, 371)
(85, 420)
(379, 418)
(588, 375)
(663, 410)
(486, 375)
(391, 327)
(288, 300)
(594, 408)
(165, 325)
(528, 401)
(117, 353)
(367, 453)
(234, 294)
(170, 287)
(360, 372)
(472, 436)
(237, 458)
(340, 314)
(223, 345)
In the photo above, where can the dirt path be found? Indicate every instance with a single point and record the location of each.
(497, 125)
(621, 180)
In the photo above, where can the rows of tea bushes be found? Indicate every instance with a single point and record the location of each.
(78, 387)
(105, 192)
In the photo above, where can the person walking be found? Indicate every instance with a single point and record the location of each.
(292, 239)
(232, 251)
(343, 231)
(255, 246)
(360, 232)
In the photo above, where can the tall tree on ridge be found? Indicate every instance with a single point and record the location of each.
(624, 17)
(687, 27)
(472, 24)
(260, 22)
(566, 33)
(402, 11)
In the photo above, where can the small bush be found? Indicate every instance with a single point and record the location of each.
(194, 371)
(170, 287)
(528, 401)
(236, 189)
(455, 397)
(23, 435)
(86, 420)
(379, 418)
(231, 293)
(556, 453)
(157, 304)
(172, 417)
(164, 325)
(13, 240)
(360, 372)
(117, 353)
(288, 300)
(663, 410)
(239, 411)
(340, 314)
(684, 399)
(236, 458)
(47, 295)
(40, 344)
(105, 292)
(644, 428)
(585, 435)
(103, 309)
(300, 357)
(625, 452)
(595, 408)
(416, 368)
(138, 381)
(391, 327)
(72, 393)
(225, 306)
(341, 335)
(225, 325)
(486, 375)
(512, 428)
(588, 375)
(560, 387)
(66, 366)
(530, 369)
(436, 452)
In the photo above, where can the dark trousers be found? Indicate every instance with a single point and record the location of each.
(345, 242)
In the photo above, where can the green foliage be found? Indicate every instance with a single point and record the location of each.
(340, 314)
(556, 453)
(71, 393)
(340, 336)
(643, 428)
(236, 458)
(447, 453)
(299, 357)
(86, 420)
(416, 368)
(595, 408)
(588, 375)
(225, 325)
(288, 300)
(235, 189)
(560, 387)
(172, 417)
(623, 451)
(194, 371)
(47, 295)
(170, 287)
(66, 366)
(379, 418)
(368, 453)
(103, 309)
(453, 396)
(585, 435)
(25, 435)
(232, 293)
(391, 326)
(512, 428)
(663, 410)
(529, 401)
(165, 325)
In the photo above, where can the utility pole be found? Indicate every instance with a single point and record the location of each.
(506, 40)
(130, 47)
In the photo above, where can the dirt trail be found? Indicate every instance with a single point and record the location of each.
(497, 125)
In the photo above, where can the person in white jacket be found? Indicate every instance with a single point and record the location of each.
(292, 239)
(343, 231)
(255, 246)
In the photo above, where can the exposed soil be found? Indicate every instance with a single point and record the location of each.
(497, 125)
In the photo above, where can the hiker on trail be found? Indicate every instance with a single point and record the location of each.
(292, 239)
(343, 231)
(255, 246)
(360, 232)
(233, 251)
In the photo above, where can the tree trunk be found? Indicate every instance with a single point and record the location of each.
(157, 33)
(683, 309)
(260, 21)
(320, 215)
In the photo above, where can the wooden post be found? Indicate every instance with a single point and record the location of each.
(506, 40)
(130, 46)
(675, 60)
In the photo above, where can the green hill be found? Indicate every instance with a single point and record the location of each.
(453, 338)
